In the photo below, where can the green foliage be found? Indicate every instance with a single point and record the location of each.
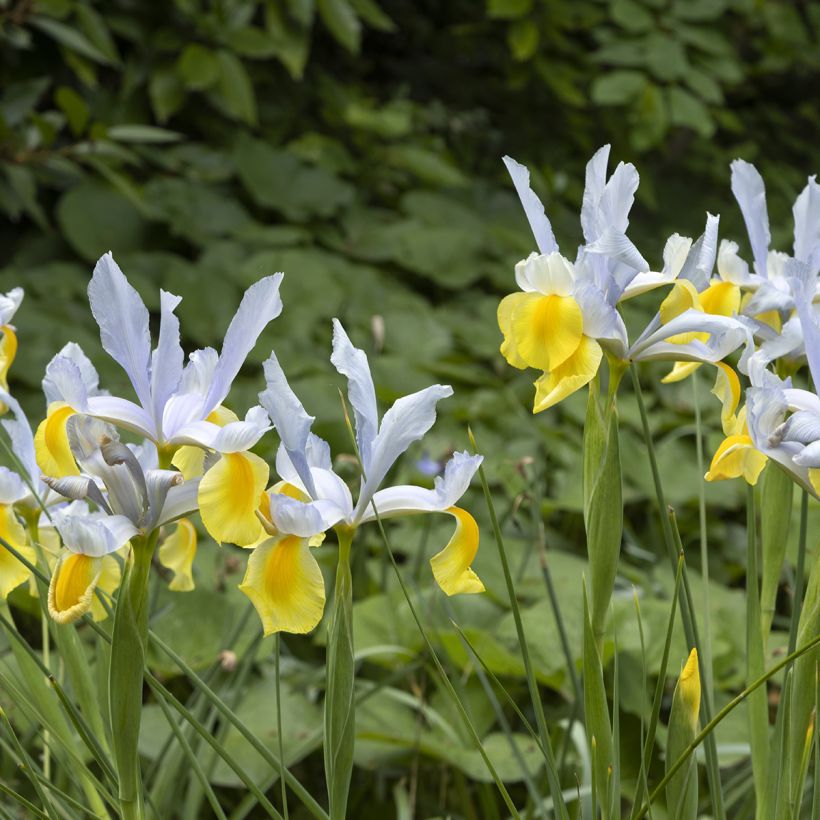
(355, 145)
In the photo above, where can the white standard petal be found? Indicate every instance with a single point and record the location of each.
(803, 285)
(806, 213)
(167, 359)
(405, 422)
(536, 216)
(615, 245)
(233, 437)
(123, 320)
(121, 412)
(549, 274)
(86, 374)
(750, 193)
(618, 197)
(22, 440)
(289, 417)
(352, 364)
(9, 304)
(601, 320)
(594, 182)
(260, 305)
(731, 268)
(448, 490)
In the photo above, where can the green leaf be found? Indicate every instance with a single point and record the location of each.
(777, 492)
(631, 15)
(95, 29)
(432, 167)
(166, 93)
(234, 91)
(74, 107)
(618, 87)
(523, 38)
(22, 182)
(508, 9)
(342, 22)
(278, 180)
(372, 14)
(198, 67)
(94, 219)
(70, 38)
(687, 110)
(252, 42)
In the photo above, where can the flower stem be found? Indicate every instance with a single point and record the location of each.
(125, 675)
(340, 710)
(277, 649)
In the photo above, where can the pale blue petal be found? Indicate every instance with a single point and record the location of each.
(289, 417)
(352, 364)
(406, 421)
(260, 305)
(750, 193)
(168, 358)
(54, 381)
(303, 519)
(9, 303)
(593, 189)
(806, 213)
(123, 321)
(180, 500)
(540, 225)
(22, 440)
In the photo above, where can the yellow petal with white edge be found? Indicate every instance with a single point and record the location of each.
(721, 299)
(727, 392)
(451, 566)
(71, 591)
(221, 416)
(546, 330)
(683, 296)
(509, 348)
(577, 371)
(190, 461)
(8, 350)
(177, 553)
(108, 582)
(51, 446)
(736, 458)
(285, 585)
(12, 571)
(229, 495)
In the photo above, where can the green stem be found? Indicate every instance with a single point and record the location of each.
(686, 602)
(125, 676)
(340, 711)
(277, 649)
(706, 653)
(800, 571)
(708, 729)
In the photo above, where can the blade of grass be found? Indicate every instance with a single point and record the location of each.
(649, 742)
(277, 650)
(800, 572)
(18, 798)
(535, 696)
(673, 549)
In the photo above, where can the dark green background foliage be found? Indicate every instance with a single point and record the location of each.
(356, 146)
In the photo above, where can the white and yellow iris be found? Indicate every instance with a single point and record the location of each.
(543, 328)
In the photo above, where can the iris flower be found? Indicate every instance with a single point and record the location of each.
(130, 500)
(566, 315)
(176, 404)
(283, 579)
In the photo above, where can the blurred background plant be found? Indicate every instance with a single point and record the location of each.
(356, 146)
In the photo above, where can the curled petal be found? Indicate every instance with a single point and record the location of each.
(285, 585)
(71, 591)
(451, 566)
(8, 351)
(228, 496)
(12, 571)
(177, 553)
(737, 458)
(51, 446)
(572, 375)
(78, 488)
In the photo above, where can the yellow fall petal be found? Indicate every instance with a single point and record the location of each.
(736, 458)
(71, 591)
(727, 391)
(772, 319)
(451, 566)
(577, 371)
(689, 687)
(539, 331)
(51, 446)
(285, 585)
(680, 371)
(8, 350)
(177, 553)
(190, 461)
(721, 299)
(814, 479)
(12, 571)
(108, 582)
(229, 496)
(683, 296)
(221, 416)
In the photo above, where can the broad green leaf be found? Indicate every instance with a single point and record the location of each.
(166, 93)
(234, 91)
(74, 107)
(198, 67)
(341, 20)
(523, 37)
(618, 87)
(687, 110)
(508, 9)
(69, 37)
